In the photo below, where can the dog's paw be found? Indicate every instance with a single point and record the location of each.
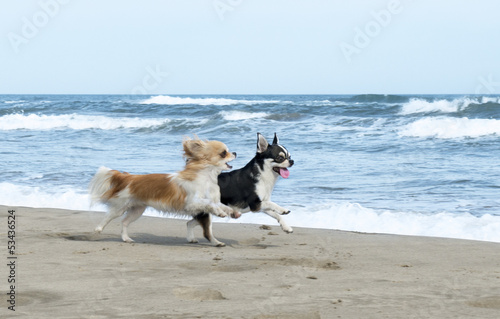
(228, 210)
(192, 241)
(288, 229)
(127, 239)
(98, 230)
(220, 213)
(235, 214)
(284, 211)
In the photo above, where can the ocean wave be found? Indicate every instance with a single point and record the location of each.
(418, 105)
(73, 121)
(241, 115)
(21, 195)
(354, 217)
(327, 102)
(449, 127)
(14, 101)
(173, 100)
(378, 98)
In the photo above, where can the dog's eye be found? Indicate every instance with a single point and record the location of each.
(280, 159)
(223, 154)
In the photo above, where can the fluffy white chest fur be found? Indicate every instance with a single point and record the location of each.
(204, 187)
(265, 185)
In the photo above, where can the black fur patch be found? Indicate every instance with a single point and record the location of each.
(238, 187)
(204, 220)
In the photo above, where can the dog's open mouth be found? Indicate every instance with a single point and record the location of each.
(228, 166)
(283, 172)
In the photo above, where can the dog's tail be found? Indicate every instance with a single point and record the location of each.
(100, 185)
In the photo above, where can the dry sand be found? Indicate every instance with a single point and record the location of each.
(63, 270)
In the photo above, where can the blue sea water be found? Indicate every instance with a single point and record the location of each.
(403, 164)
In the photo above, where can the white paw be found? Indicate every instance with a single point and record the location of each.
(98, 230)
(228, 210)
(192, 241)
(285, 212)
(287, 229)
(220, 213)
(127, 239)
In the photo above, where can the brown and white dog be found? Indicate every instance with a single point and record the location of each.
(188, 192)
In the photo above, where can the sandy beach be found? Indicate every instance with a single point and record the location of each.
(63, 270)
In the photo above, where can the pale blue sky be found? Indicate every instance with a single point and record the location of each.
(249, 46)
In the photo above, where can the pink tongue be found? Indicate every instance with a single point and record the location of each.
(284, 172)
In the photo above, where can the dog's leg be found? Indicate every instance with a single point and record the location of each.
(205, 220)
(207, 207)
(268, 205)
(230, 211)
(110, 215)
(217, 211)
(275, 211)
(132, 215)
(281, 221)
(190, 230)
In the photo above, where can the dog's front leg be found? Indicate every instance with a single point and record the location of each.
(268, 205)
(230, 211)
(275, 211)
(206, 206)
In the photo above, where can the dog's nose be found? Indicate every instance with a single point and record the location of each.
(291, 162)
(234, 153)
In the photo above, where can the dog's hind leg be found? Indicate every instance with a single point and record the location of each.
(113, 213)
(190, 230)
(132, 215)
(205, 220)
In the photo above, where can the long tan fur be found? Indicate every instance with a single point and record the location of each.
(189, 192)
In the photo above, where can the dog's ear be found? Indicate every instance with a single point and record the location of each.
(262, 143)
(276, 141)
(192, 148)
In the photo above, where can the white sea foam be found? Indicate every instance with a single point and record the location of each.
(416, 105)
(73, 121)
(490, 99)
(354, 217)
(449, 127)
(17, 195)
(240, 115)
(173, 100)
(334, 215)
(14, 101)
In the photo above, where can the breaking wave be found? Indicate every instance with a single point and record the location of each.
(450, 127)
(240, 115)
(418, 105)
(173, 100)
(74, 121)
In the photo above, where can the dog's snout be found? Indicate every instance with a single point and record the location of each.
(234, 153)
(291, 162)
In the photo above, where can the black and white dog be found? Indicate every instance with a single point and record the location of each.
(249, 188)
